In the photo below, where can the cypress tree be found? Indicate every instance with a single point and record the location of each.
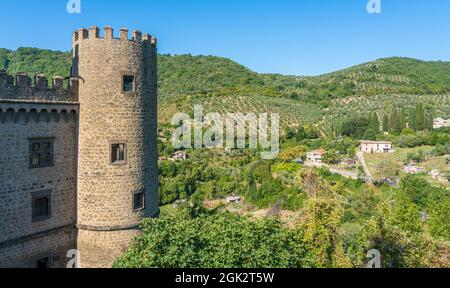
(430, 122)
(394, 124)
(412, 119)
(420, 117)
(385, 123)
(402, 119)
(375, 125)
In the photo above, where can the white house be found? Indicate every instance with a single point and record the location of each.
(179, 155)
(413, 169)
(376, 147)
(233, 199)
(316, 156)
(440, 123)
(435, 174)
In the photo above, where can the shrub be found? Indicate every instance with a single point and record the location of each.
(220, 240)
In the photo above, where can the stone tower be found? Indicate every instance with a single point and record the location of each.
(117, 149)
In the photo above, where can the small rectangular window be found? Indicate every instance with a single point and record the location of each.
(117, 153)
(41, 153)
(41, 205)
(138, 201)
(128, 83)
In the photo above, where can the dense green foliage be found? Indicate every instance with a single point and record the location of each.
(34, 61)
(213, 241)
(202, 75)
(340, 222)
(200, 179)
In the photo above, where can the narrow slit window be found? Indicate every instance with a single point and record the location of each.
(128, 83)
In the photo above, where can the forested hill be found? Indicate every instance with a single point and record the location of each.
(384, 76)
(187, 74)
(178, 75)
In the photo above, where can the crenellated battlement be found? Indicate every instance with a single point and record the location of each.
(108, 35)
(20, 87)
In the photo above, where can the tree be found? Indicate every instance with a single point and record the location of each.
(421, 123)
(402, 120)
(417, 189)
(441, 149)
(355, 127)
(374, 122)
(319, 229)
(294, 96)
(394, 121)
(217, 240)
(370, 134)
(438, 222)
(331, 157)
(412, 119)
(397, 247)
(293, 153)
(430, 122)
(385, 123)
(417, 157)
(307, 132)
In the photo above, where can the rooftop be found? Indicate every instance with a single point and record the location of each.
(375, 142)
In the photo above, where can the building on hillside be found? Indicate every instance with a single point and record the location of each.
(435, 174)
(440, 123)
(316, 156)
(376, 147)
(79, 165)
(413, 169)
(178, 156)
(233, 199)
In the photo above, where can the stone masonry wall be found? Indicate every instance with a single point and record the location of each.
(18, 123)
(110, 116)
(101, 248)
(55, 245)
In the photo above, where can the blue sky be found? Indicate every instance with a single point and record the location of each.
(301, 37)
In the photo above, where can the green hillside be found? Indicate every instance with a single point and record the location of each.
(203, 75)
(33, 61)
(223, 85)
(380, 77)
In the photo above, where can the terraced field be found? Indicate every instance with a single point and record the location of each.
(351, 106)
(292, 113)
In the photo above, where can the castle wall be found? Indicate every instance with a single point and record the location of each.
(22, 240)
(25, 253)
(90, 198)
